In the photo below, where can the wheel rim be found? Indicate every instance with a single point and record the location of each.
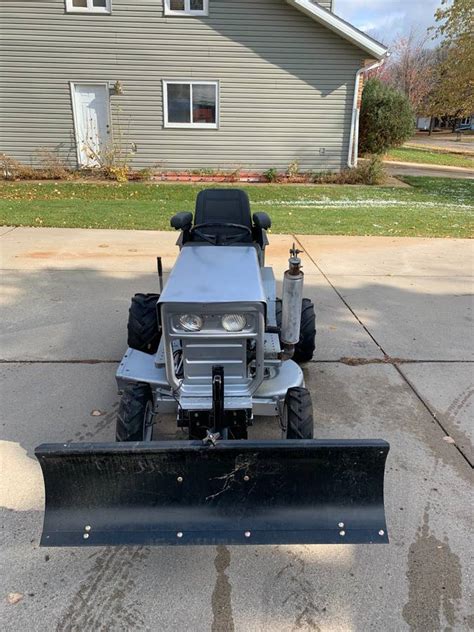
(148, 420)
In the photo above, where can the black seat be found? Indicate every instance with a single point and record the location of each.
(222, 217)
(226, 206)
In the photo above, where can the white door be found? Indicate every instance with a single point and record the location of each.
(91, 122)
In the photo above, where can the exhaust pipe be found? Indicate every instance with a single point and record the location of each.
(291, 305)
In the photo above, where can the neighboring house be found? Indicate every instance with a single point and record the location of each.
(430, 123)
(192, 84)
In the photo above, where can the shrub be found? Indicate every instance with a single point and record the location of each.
(235, 175)
(14, 169)
(293, 169)
(386, 118)
(51, 168)
(271, 175)
(119, 173)
(141, 174)
(52, 165)
(370, 171)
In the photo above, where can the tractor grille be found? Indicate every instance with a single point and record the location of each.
(200, 355)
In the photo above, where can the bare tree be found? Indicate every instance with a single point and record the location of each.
(411, 68)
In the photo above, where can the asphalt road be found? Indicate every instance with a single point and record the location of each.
(447, 142)
(394, 361)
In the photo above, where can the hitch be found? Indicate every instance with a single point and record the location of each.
(211, 438)
(218, 414)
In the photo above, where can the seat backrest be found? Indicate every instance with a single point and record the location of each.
(226, 206)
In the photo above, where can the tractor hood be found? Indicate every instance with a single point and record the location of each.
(215, 274)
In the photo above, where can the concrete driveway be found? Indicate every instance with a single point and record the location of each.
(395, 361)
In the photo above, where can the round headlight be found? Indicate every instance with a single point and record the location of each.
(234, 322)
(190, 322)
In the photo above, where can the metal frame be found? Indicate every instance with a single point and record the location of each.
(169, 335)
(138, 367)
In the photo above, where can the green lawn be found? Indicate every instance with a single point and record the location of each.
(429, 157)
(433, 207)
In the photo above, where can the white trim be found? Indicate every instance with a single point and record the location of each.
(70, 8)
(341, 27)
(187, 11)
(72, 88)
(190, 82)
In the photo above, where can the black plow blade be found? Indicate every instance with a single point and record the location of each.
(239, 492)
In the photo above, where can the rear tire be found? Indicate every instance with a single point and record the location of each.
(143, 332)
(304, 350)
(135, 414)
(298, 414)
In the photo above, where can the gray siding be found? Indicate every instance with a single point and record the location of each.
(286, 83)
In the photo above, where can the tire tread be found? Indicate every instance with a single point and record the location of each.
(300, 424)
(131, 413)
(143, 332)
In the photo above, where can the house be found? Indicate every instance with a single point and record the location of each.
(188, 84)
(431, 123)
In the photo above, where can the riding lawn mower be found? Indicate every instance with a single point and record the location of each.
(218, 350)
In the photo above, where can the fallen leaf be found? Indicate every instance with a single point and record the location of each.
(449, 439)
(14, 598)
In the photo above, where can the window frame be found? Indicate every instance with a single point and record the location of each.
(207, 82)
(107, 10)
(187, 11)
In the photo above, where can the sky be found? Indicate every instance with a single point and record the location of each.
(387, 19)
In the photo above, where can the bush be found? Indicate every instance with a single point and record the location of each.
(141, 175)
(386, 118)
(52, 168)
(52, 165)
(293, 169)
(370, 171)
(271, 175)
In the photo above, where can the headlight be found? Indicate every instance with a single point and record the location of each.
(234, 322)
(190, 322)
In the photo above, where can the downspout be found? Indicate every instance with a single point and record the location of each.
(354, 137)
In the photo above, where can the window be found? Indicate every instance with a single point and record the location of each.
(88, 6)
(186, 7)
(191, 104)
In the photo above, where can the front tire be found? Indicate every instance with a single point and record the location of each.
(298, 414)
(135, 414)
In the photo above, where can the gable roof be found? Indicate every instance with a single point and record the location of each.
(341, 27)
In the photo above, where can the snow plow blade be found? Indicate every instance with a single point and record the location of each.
(238, 492)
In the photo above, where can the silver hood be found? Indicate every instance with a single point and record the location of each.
(215, 274)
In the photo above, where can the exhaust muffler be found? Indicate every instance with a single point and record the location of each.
(292, 299)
